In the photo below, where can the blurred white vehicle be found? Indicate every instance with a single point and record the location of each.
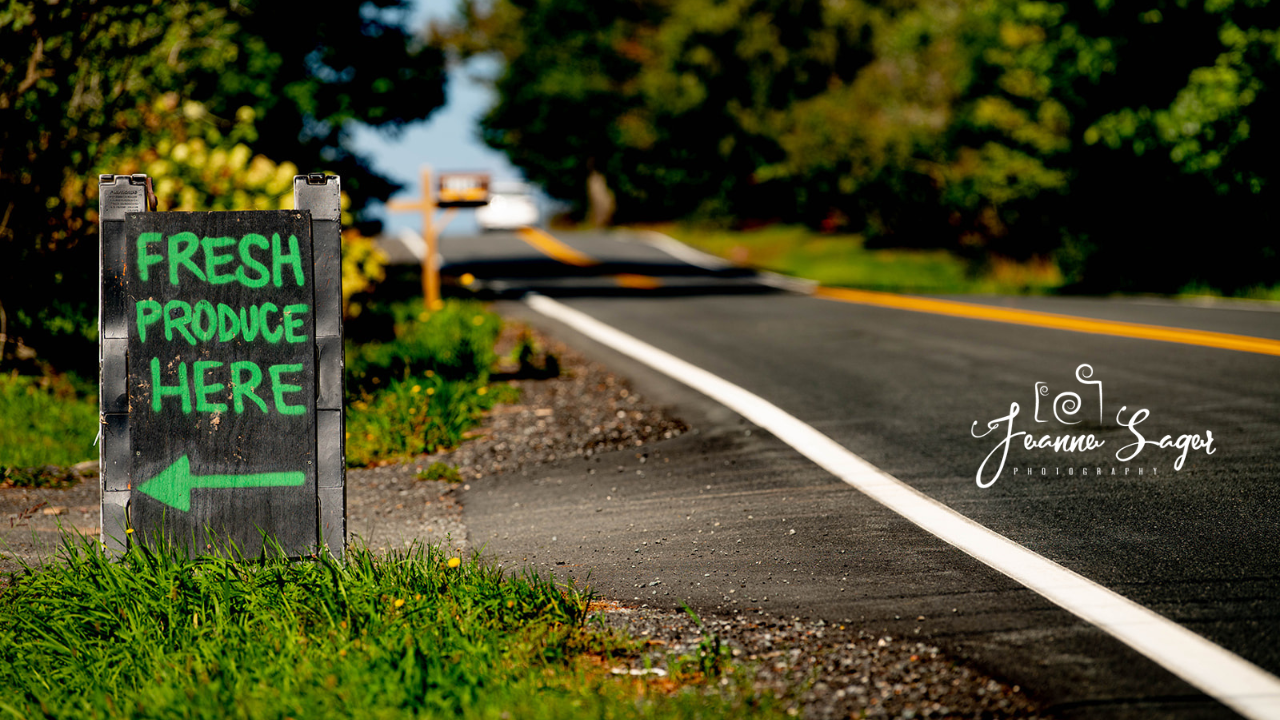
(511, 205)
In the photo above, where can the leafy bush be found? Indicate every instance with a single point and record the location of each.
(420, 414)
(363, 266)
(421, 391)
(455, 343)
(189, 92)
(44, 421)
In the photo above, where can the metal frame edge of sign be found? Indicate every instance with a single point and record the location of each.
(117, 195)
(121, 194)
(321, 194)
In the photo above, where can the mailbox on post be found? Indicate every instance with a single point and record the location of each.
(221, 373)
(463, 189)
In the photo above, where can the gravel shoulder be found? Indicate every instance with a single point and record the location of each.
(821, 670)
(32, 520)
(584, 411)
(826, 670)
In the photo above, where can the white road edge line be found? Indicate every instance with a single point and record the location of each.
(697, 258)
(680, 251)
(1215, 671)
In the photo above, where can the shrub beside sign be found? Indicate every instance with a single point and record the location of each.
(232, 424)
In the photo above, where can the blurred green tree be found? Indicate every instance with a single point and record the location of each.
(1174, 168)
(569, 75)
(182, 89)
(666, 98)
(1124, 139)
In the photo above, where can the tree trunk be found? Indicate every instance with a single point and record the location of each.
(600, 200)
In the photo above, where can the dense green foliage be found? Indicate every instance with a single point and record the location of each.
(1132, 141)
(401, 635)
(421, 414)
(187, 91)
(420, 391)
(455, 342)
(44, 421)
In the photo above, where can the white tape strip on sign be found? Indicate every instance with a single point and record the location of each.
(1215, 671)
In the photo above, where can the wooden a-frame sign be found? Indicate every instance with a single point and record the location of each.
(221, 373)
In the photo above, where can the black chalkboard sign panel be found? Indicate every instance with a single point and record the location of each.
(222, 382)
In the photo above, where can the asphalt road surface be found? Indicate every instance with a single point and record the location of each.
(734, 520)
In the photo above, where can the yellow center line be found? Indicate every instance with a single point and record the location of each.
(557, 250)
(554, 249)
(637, 282)
(1204, 338)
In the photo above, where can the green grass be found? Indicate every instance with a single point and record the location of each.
(419, 414)
(1258, 292)
(440, 471)
(44, 421)
(401, 635)
(455, 342)
(423, 390)
(843, 261)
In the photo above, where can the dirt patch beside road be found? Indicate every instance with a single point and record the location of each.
(585, 410)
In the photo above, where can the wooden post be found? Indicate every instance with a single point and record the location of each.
(430, 272)
(431, 228)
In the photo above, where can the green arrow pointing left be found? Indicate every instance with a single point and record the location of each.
(173, 485)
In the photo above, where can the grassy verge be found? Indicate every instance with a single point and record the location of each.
(843, 261)
(44, 421)
(422, 390)
(1258, 292)
(409, 634)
